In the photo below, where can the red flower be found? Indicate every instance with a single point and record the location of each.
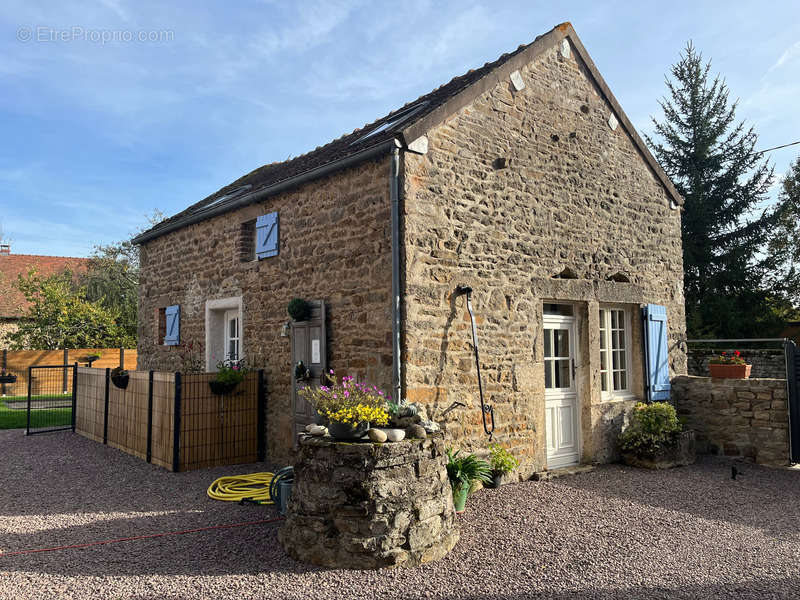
(723, 353)
(737, 353)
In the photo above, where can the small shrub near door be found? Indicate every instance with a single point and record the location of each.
(655, 438)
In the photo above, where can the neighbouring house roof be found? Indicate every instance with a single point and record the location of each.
(12, 302)
(403, 125)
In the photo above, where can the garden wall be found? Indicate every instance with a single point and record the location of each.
(767, 364)
(736, 417)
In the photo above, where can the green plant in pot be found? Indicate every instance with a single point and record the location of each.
(347, 407)
(230, 373)
(502, 463)
(299, 309)
(463, 471)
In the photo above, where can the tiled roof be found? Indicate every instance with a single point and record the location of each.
(411, 120)
(12, 302)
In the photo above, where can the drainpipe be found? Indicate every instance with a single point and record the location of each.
(394, 194)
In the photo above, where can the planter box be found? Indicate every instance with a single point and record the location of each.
(730, 371)
(8, 378)
(682, 454)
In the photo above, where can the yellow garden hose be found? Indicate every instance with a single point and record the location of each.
(236, 488)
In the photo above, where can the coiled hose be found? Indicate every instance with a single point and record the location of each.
(258, 488)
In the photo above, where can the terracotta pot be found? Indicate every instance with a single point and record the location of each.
(730, 371)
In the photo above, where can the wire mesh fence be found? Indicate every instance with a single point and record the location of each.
(50, 399)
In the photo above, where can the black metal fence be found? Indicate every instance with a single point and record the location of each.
(51, 399)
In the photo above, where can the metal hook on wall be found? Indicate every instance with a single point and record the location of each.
(487, 412)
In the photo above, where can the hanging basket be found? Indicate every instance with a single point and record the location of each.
(120, 381)
(221, 388)
(8, 378)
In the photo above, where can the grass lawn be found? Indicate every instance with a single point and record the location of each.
(17, 417)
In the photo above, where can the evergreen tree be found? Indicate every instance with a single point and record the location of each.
(726, 222)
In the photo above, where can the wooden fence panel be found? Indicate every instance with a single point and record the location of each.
(163, 410)
(90, 403)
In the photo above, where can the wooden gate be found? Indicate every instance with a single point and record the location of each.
(793, 389)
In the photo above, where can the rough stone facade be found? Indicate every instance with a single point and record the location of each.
(573, 214)
(335, 245)
(370, 505)
(767, 364)
(736, 417)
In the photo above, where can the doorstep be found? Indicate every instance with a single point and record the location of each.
(562, 472)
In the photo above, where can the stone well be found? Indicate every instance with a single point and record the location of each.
(368, 505)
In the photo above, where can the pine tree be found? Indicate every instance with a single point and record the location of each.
(726, 224)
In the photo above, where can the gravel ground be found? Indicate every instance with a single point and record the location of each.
(613, 533)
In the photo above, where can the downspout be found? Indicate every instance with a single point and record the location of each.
(394, 194)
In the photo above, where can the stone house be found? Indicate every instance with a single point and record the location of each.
(13, 305)
(523, 179)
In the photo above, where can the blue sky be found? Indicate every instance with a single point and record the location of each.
(100, 133)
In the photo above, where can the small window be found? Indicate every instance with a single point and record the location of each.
(232, 335)
(161, 325)
(614, 355)
(247, 241)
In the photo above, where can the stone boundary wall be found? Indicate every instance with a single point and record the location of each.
(736, 417)
(767, 364)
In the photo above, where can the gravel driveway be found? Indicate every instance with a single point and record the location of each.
(612, 533)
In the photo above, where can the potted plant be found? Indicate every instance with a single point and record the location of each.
(729, 366)
(346, 406)
(299, 309)
(463, 471)
(120, 377)
(655, 438)
(8, 378)
(502, 463)
(230, 373)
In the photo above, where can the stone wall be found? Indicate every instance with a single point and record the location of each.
(576, 215)
(335, 245)
(767, 364)
(386, 504)
(736, 417)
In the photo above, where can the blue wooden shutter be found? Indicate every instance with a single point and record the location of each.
(267, 235)
(655, 327)
(173, 335)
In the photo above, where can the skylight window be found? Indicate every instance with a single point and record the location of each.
(393, 122)
(224, 197)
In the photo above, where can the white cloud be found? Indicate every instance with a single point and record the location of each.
(789, 54)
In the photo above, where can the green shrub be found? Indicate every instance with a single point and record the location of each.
(502, 460)
(653, 427)
(299, 309)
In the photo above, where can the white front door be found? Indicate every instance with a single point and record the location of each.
(561, 393)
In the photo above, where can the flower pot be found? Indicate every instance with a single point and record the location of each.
(8, 378)
(346, 431)
(681, 453)
(221, 388)
(497, 479)
(460, 493)
(120, 381)
(730, 371)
